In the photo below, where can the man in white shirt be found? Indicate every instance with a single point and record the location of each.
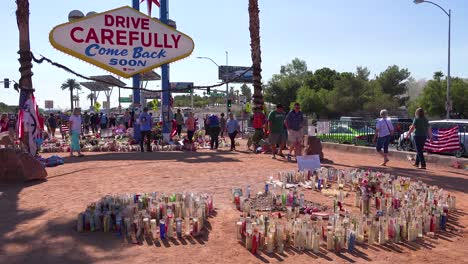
(383, 133)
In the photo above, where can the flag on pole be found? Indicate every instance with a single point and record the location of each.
(443, 140)
(150, 4)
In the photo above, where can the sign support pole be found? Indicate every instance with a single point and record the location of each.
(166, 94)
(136, 91)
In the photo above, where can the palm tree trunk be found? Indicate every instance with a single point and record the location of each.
(254, 28)
(25, 59)
(71, 99)
(22, 20)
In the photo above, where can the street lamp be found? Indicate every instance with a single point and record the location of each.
(227, 85)
(448, 104)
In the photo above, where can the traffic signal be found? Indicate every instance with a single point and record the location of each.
(6, 82)
(208, 90)
(189, 88)
(229, 103)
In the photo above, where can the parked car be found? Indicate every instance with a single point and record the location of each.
(353, 121)
(342, 133)
(408, 144)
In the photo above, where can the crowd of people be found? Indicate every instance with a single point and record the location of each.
(274, 132)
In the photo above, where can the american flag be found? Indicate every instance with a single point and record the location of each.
(24, 95)
(150, 2)
(443, 140)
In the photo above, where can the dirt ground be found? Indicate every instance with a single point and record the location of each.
(38, 219)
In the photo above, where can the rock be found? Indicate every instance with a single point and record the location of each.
(20, 167)
(314, 146)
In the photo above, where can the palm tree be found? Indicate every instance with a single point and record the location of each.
(71, 85)
(25, 81)
(91, 97)
(22, 20)
(254, 28)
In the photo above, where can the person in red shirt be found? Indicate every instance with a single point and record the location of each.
(4, 123)
(259, 121)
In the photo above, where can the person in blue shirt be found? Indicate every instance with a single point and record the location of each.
(213, 123)
(145, 129)
(294, 124)
(103, 121)
(232, 130)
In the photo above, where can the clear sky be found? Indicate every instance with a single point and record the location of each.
(340, 34)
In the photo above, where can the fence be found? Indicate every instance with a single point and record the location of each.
(362, 133)
(355, 132)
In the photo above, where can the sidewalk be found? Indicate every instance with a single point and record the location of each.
(430, 158)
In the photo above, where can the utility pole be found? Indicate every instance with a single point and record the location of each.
(227, 88)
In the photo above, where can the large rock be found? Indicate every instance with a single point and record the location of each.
(18, 166)
(314, 146)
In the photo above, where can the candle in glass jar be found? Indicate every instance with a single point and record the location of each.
(154, 232)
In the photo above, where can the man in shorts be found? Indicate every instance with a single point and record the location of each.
(294, 124)
(276, 125)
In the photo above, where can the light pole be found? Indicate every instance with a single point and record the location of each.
(227, 84)
(448, 104)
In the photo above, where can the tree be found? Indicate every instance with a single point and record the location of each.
(245, 91)
(362, 73)
(433, 97)
(296, 67)
(25, 59)
(71, 85)
(255, 50)
(393, 79)
(283, 87)
(322, 78)
(91, 97)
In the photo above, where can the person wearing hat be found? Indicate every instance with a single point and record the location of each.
(276, 125)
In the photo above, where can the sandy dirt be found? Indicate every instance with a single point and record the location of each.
(38, 219)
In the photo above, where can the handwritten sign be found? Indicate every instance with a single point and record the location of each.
(123, 41)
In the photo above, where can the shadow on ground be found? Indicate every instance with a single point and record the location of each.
(57, 241)
(188, 157)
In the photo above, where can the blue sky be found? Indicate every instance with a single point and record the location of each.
(339, 34)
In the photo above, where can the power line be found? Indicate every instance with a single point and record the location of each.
(67, 69)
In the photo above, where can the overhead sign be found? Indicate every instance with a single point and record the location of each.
(180, 87)
(235, 74)
(123, 41)
(150, 95)
(48, 104)
(125, 99)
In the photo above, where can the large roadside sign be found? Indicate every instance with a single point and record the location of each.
(181, 87)
(123, 41)
(235, 74)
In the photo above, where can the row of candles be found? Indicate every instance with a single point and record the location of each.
(392, 209)
(148, 215)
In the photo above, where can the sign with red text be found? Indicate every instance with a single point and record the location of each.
(123, 41)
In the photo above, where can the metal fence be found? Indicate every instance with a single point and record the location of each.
(362, 133)
(355, 132)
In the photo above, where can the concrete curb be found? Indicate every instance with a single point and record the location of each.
(430, 158)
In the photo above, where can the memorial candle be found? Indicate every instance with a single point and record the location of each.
(162, 229)
(154, 232)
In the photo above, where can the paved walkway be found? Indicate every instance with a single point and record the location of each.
(37, 220)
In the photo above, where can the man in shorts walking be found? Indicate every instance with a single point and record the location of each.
(294, 124)
(276, 124)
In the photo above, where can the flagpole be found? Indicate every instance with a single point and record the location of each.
(136, 92)
(166, 94)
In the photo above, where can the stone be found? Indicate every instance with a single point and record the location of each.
(18, 166)
(314, 146)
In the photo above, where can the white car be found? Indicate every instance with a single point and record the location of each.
(404, 144)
